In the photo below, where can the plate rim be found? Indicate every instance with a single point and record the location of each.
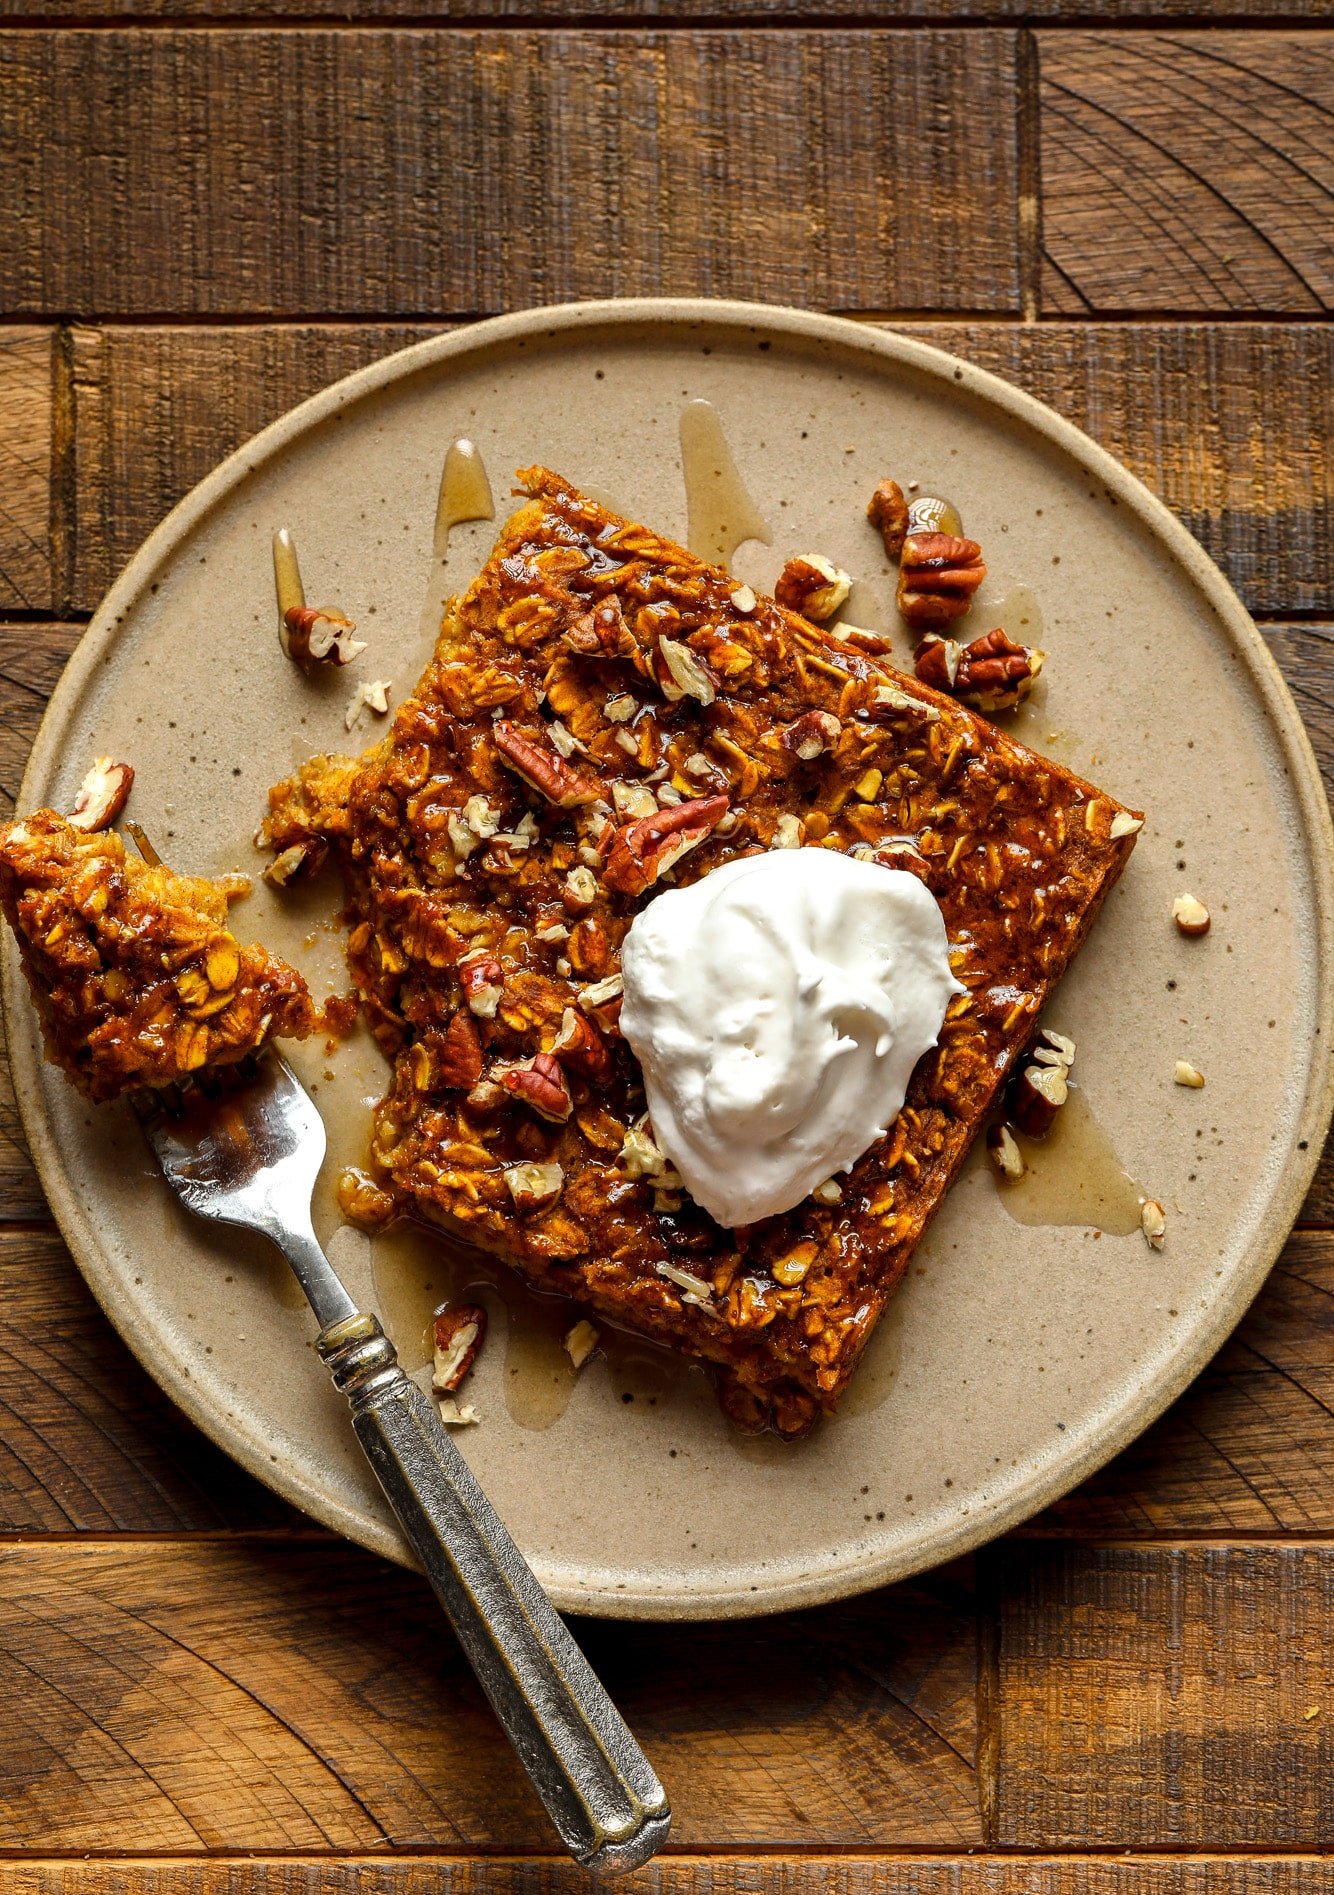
(1107, 1435)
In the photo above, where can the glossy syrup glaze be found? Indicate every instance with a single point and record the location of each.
(720, 513)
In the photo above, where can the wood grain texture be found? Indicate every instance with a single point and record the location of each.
(1160, 1696)
(1187, 171)
(243, 1695)
(87, 1442)
(25, 468)
(321, 173)
(812, 1874)
(1232, 425)
(665, 14)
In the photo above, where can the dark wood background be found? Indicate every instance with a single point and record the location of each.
(209, 208)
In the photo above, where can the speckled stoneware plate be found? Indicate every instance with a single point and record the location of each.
(1018, 1356)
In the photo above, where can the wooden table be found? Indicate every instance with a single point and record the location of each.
(209, 208)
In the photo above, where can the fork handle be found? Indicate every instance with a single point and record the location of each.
(598, 1787)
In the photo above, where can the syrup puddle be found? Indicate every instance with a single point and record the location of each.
(1074, 1177)
(720, 514)
(416, 1268)
(1018, 615)
(465, 494)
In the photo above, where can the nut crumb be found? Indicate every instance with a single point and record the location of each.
(370, 695)
(1191, 915)
(580, 1342)
(1153, 1223)
(1005, 1154)
(1188, 1075)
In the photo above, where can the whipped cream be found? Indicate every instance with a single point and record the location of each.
(777, 1008)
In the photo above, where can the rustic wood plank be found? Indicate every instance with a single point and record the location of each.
(25, 469)
(1166, 1696)
(1187, 171)
(710, 1875)
(1231, 424)
(234, 1695)
(665, 14)
(87, 1441)
(326, 172)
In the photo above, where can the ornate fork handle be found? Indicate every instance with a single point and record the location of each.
(598, 1787)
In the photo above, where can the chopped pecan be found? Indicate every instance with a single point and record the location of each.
(1040, 1087)
(991, 674)
(316, 636)
(580, 1046)
(482, 979)
(812, 585)
(1191, 915)
(995, 674)
(889, 511)
(580, 1342)
(936, 661)
(302, 858)
(645, 850)
(810, 735)
(102, 795)
(603, 633)
(681, 674)
(460, 1054)
(938, 575)
(540, 1084)
(459, 1334)
(601, 1001)
(534, 1187)
(550, 775)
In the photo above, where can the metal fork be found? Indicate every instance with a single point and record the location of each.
(247, 1153)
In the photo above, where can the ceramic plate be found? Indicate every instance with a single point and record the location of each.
(1018, 1356)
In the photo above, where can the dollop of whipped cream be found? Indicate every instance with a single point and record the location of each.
(777, 1008)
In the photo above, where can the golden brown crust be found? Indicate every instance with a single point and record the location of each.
(136, 977)
(495, 859)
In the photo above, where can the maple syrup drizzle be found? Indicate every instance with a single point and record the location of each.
(1074, 1176)
(929, 513)
(720, 514)
(286, 574)
(1017, 613)
(465, 494)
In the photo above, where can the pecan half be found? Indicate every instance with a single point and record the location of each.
(938, 575)
(460, 1054)
(550, 775)
(482, 979)
(645, 850)
(812, 585)
(459, 1334)
(319, 637)
(102, 795)
(991, 674)
(811, 735)
(888, 510)
(540, 1084)
(995, 674)
(581, 1047)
